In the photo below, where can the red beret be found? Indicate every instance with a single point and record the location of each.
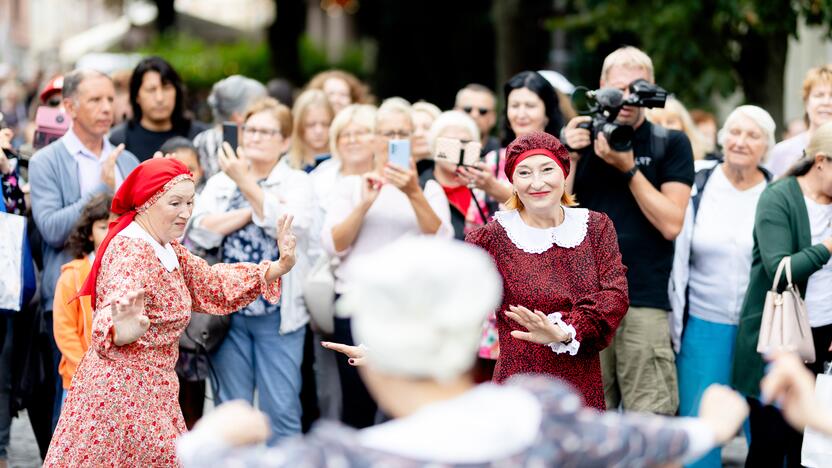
(536, 144)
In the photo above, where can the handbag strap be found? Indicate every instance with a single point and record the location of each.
(785, 264)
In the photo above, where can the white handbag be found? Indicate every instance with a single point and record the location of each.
(319, 294)
(817, 447)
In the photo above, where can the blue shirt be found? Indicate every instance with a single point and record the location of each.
(250, 244)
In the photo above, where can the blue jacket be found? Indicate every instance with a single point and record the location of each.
(57, 204)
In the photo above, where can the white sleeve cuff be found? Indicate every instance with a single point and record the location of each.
(199, 446)
(701, 439)
(558, 347)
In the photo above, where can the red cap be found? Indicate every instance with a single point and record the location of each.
(533, 144)
(54, 86)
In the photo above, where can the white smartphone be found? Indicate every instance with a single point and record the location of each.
(454, 151)
(398, 153)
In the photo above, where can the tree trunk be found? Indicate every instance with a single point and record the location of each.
(523, 41)
(166, 17)
(284, 37)
(761, 69)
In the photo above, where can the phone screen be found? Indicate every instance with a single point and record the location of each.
(229, 134)
(398, 153)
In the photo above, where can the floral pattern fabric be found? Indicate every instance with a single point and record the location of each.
(251, 244)
(12, 193)
(122, 408)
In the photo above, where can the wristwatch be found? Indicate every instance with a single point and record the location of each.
(631, 173)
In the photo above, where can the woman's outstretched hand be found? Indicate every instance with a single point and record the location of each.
(129, 321)
(356, 354)
(539, 329)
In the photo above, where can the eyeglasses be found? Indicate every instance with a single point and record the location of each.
(399, 134)
(263, 132)
(481, 110)
(356, 135)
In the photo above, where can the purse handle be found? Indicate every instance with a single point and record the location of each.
(785, 264)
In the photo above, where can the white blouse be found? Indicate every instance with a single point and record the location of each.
(390, 218)
(818, 291)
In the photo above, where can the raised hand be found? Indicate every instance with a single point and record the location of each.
(234, 164)
(286, 242)
(791, 385)
(539, 329)
(236, 423)
(723, 410)
(129, 321)
(370, 188)
(108, 168)
(356, 354)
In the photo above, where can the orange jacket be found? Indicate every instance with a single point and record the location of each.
(72, 322)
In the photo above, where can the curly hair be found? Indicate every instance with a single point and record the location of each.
(359, 92)
(98, 208)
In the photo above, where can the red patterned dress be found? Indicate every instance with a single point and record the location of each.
(123, 409)
(573, 269)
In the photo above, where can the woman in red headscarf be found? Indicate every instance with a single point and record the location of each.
(122, 408)
(565, 289)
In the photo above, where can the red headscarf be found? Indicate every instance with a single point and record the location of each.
(536, 144)
(141, 189)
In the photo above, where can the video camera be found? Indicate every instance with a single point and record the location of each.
(604, 105)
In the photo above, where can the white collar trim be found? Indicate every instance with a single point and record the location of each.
(487, 423)
(569, 234)
(166, 255)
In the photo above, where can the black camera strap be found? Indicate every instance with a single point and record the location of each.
(477, 203)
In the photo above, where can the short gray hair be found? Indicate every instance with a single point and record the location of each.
(452, 119)
(73, 80)
(760, 117)
(234, 94)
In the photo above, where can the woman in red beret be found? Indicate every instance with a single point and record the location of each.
(565, 289)
(123, 408)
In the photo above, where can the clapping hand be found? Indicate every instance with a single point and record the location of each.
(129, 321)
(356, 354)
(108, 168)
(539, 329)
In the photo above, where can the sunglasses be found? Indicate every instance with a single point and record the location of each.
(480, 110)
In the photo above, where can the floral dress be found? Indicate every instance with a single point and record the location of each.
(122, 408)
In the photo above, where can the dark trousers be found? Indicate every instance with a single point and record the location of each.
(773, 442)
(309, 387)
(359, 407)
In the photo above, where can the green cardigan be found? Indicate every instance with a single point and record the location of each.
(781, 228)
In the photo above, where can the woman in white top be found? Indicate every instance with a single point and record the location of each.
(237, 211)
(713, 258)
(367, 212)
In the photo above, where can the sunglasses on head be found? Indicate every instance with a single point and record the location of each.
(480, 110)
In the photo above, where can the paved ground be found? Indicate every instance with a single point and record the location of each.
(23, 450)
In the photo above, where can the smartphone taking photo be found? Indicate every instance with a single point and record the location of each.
(230, 134)
(453, 151)
(398, 153)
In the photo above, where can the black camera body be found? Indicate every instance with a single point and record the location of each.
(606, 103)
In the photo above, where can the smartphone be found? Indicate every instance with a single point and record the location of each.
(398, 153)
(456, 152)
(230, 133)
(51, 123)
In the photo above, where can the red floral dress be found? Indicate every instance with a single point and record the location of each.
(584, 281)
(123, 408)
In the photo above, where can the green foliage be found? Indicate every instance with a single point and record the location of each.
(699, 47)
(202, 64)
(313, 59)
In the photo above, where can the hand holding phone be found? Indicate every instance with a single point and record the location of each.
(398, 153)
(457, 152)
(230, 134)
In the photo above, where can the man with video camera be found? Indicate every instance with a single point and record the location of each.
(644, 190)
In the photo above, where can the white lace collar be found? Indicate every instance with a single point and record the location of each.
(166, 255)
(569, 234)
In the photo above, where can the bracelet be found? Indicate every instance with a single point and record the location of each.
(631, 173)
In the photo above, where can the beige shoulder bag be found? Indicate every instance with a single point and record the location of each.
(785, 324)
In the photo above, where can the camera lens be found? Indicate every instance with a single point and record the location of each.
(59, 118)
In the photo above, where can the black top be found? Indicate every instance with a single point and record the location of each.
(491, 144)
(143, 143)
(600, 187)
